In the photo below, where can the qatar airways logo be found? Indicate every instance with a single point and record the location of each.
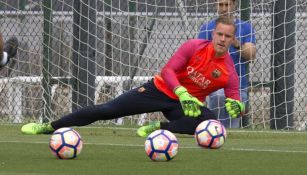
(197, 77)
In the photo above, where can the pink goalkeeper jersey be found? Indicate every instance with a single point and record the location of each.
(195, 66)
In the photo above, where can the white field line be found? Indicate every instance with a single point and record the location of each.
(230, 131)
(182, 147)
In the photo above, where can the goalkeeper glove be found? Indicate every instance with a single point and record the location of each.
(234, 107)
(189, 104)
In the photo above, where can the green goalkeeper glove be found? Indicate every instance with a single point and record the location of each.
(234, 107)
(189, 104)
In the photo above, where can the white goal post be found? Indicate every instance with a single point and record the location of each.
(126, 42)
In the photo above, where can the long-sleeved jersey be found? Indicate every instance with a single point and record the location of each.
(195, 66)
(245, 34)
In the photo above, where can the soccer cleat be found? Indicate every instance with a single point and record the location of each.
(144, 131)
(37, 128)
(10, 47)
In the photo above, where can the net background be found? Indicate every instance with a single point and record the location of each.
(128, 31)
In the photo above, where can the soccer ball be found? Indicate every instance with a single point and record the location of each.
(210, 134)
(65, 143)
(161, 145)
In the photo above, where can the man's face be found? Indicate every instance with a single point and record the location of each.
(225, 7)
(223, 37)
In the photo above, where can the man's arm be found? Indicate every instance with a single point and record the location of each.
(177, 62)
(248, 51)
(232, 88)
(232, 104)
(247, 47)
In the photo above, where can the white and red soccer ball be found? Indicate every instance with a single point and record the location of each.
(210, 134)
(161, 145)
(65, 143)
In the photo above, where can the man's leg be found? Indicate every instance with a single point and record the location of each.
(141, 100)
(179, 123)
(137, 101)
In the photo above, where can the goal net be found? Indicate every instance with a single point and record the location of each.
(79, 53)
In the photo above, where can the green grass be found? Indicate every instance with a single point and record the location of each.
(109, 151)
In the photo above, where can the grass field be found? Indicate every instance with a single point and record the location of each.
(109, 151)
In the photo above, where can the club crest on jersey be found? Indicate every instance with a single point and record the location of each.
(216, 73)
(141, 89)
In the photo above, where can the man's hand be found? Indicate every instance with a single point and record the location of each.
(236, 44)
(234, 107)
(190, 104)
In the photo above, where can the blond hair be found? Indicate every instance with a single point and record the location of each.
(226, 20)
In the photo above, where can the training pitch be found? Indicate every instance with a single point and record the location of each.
(110, 150)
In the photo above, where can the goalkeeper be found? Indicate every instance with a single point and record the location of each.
(196, 69)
